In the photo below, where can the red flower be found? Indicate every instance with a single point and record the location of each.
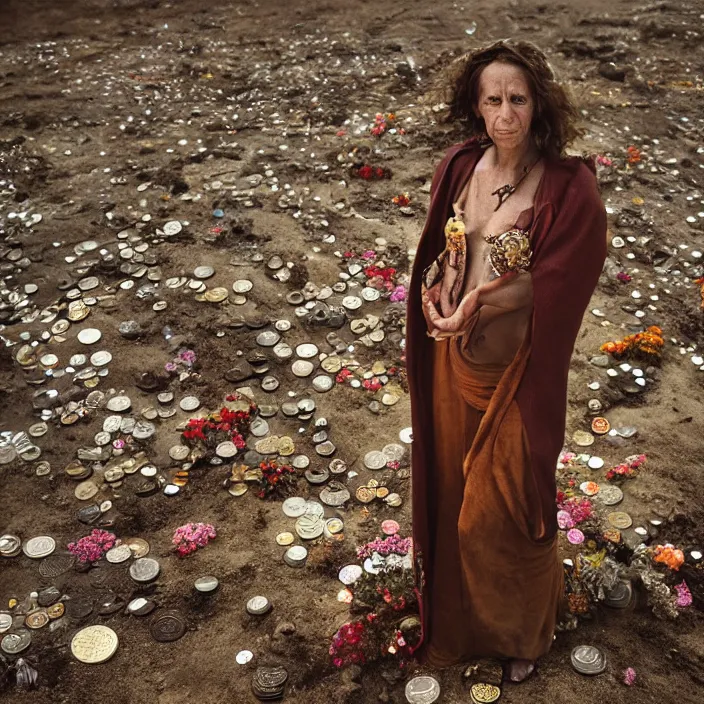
(365, 172)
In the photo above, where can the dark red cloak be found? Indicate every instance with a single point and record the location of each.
(568, 239)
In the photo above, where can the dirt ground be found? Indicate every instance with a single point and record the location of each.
(99, 97)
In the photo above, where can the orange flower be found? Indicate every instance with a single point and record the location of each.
(669, 555)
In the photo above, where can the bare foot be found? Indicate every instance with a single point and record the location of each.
(518, 670)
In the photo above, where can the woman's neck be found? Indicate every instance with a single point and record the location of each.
(511, 162)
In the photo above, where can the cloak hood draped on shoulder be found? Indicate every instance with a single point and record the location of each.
(568, 239)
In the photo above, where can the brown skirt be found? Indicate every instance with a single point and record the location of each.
(496, 582)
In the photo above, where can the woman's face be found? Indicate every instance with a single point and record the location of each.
(505, 102)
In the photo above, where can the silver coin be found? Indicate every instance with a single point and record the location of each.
(100, 359)
(89, 336)
(296, 555)
(337, 466)
(315, 508)
(370, 294)
(406, 436)
(88, 283)
(10, 545)
(143, 429)
(145, 569)
(14, 643)
(294, 507)
(621, 595)
(179, 452)
(307, 350)
(595, 462)
(323, 383)
(351, 302)
(282, 325)
(243, 657)
(283, 350)
(38, 429)
(270, 383)
(258, 605)
(112, 424)
(259, 427)
(175, 282)
(172, 227)
(393, 452)
(206, 584)
(41, 546)
(120, 553)
(325, 449)
(300, 461)
(268, 338)
(375, 460)
(588, 660)
(119, 404)
(226, 449)
(349, 574)
(422, 690)
(189, 403)
(242, 286)
(203, 272)
(302, 368)
(5, 622)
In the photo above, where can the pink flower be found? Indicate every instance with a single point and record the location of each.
(170, 367)
(629, 676)
(191, 536)
(575, 536)
(369, 254)
(93, 546)
(398, 294)
(564, 520)
(684, 596)
(603, 160)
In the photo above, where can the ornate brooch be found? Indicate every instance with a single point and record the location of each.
(455, 235)
(510, 251)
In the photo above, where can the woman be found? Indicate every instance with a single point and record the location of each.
(511, 252)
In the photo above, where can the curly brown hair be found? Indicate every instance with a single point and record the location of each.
(555, 117)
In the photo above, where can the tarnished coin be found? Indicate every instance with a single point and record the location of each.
(94, 644)
(620, 520)
(38, 429)
(120, 553)
(56, 565)
(36, 619)
(365, 494)
(144, 569)
(86, 490)
(332, 364)
(189, 403)
(337, 466)
(610, 495)
(16, 642)
(167, 626)
(582, 438)
(325, 449)
(39, 547)
(588, 660)
(179, 452)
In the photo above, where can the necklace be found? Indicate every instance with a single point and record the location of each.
(503, 192)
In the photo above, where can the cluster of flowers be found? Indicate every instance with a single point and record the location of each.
(384, 122)
(191, 536)
(93, 546)
(668, 555)
(603, 160)
(393, 544)
(642, 345)
(348, 644)
(371, 173)
(627, 469)
(399, 646)
(633, 154)
(182, 362)
(402, 200)
(220, 426)
(623, 277)
(573, 511)
(275, 477)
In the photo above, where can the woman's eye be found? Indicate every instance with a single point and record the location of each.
(519, 99)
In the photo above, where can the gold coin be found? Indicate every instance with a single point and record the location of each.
(365, 494)
(382, 492)
(37, 619)
(482, 693)
(216, 295)
(286, 446)
(56, 610)
(138, 546)
(85, 490)
(620, 520)
(582, 438)
(332, 364)
(238, 489)
(284, 538)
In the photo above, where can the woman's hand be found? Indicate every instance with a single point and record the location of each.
(439, 326)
